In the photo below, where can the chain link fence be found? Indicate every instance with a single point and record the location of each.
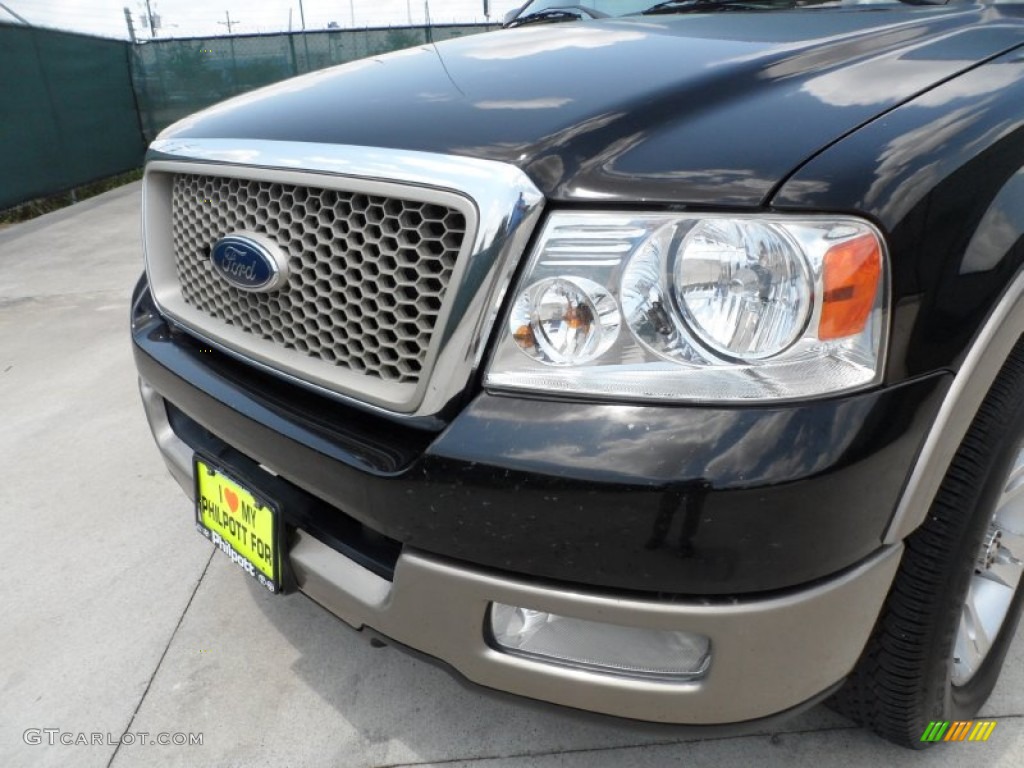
(174, 78)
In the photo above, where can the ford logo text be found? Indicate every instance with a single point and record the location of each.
(249, 262)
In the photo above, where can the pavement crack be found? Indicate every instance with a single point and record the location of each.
(18, 301)
(156, 669)
(619, 747)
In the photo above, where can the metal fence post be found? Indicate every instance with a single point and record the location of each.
(291, 47)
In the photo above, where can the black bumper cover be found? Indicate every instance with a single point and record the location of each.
(655, 499)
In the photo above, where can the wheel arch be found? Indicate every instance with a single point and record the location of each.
(972, 382)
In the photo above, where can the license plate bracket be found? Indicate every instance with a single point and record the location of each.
(241, 521)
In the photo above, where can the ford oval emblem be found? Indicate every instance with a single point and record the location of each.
(250, 262)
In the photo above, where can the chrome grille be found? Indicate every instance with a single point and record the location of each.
(368, 273)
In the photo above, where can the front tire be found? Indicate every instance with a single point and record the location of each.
(943, 633)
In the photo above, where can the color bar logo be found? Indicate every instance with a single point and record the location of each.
(958, 730)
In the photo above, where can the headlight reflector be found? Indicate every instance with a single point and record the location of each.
(743, 288)
(698, 308)
(565, 320)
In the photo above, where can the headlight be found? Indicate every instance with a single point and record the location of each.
(565, 320)
(744, 290)
(711, 308)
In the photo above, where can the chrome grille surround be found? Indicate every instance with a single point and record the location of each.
(497, 203)
(368, 274)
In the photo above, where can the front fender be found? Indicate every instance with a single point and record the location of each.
(943, 177)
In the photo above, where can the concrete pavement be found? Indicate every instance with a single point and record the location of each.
(117, 618)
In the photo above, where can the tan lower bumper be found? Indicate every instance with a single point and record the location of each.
(768, 654)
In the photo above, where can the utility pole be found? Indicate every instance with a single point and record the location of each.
(19, 18)
(131, 25)
(352, 12)
(231, 42)
(302, 16)
(408, 10)
(289, 20)
(229, 23)
(149, 20)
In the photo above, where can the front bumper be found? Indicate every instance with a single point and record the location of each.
(377, 508)
(649, 500)
(768, 655)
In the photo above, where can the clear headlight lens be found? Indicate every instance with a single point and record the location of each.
(697, 307)
(744, 290)
(565, 320)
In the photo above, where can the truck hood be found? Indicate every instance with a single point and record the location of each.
(700, 109)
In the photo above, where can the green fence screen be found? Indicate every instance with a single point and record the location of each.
(75, 108)
(67, 112)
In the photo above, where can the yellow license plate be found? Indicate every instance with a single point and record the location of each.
(239, 523)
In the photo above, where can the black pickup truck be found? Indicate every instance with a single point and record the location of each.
(659, 360)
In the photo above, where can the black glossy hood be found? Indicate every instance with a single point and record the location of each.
(706, 109)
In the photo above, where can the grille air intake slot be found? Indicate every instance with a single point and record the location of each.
(368, 277)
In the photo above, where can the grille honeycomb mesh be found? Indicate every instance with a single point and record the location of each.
(368, 273)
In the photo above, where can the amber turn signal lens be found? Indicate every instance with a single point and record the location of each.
(851, 276)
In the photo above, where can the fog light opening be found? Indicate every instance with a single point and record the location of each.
(595, 646)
